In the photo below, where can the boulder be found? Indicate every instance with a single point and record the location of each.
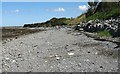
(77, 27)
(112, 25)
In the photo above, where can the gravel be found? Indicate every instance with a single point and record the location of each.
(58, 51)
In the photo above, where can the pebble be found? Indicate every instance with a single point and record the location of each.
(13, 61)
(37, 52)
(101, 66)
(71, 53)
(57, 58)
(7, 58)
(87, 60)
(45, 61)
(51, 56)
(96, 53)
(21, 42)
(63, 59)
(0, 71)
(88, 52)
(51, 66)
(7, 65)
(16, 37)
(35, 45)
(56, 55)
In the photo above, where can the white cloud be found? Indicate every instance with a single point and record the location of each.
(83, 7)
(59, 10)
(16, 11)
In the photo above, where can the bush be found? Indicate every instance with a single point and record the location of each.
(104, 15)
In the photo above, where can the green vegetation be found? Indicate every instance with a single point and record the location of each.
(58, 21)
(50, 23)
(98, 10)
(104, 15)
(104, 33)
(102, 10)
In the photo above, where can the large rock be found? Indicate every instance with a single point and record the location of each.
(112, 25)
(77, 27)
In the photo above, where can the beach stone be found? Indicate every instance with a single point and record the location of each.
(68, 53)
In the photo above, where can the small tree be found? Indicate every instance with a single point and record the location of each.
(92, 7)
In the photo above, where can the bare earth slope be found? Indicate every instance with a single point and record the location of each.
(59, 51)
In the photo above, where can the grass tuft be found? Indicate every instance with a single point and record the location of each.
(104, 33)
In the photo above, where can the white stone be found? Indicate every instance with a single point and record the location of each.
(96, 53)
(13, 61)
(71, 53)
(7, 58)
(57, 58)
(45, 61)
(51, 56)
(51, 66)
(87, 60)
(63, 59)
(56, 55)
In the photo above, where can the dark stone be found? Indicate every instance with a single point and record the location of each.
(17, 66)
(88, 52)
(21, 42)
(16, 37)
(35, 45)
(77, 27)
(118, 31)
(66, 46)
(19, 54)
(86, 28)
(37, 52)
(101, 66)
(117, 46)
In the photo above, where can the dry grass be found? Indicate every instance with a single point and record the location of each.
(78, 19)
